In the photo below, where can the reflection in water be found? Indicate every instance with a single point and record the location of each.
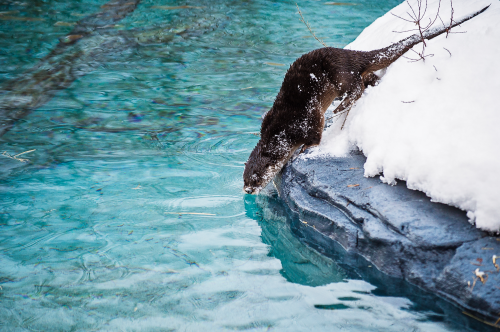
(129, 214)
(93, 40)
(300, 264)
(292, 241)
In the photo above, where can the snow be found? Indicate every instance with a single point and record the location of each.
(434, 124)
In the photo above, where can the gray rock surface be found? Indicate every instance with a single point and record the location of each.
(399, 230)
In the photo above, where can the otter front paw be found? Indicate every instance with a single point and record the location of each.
(307, 146)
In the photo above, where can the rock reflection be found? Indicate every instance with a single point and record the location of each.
(94, 40)
(300, 263)
(309, 258)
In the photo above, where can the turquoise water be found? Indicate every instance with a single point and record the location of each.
(129, 215)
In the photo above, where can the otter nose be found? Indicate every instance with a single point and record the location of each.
(248, 190)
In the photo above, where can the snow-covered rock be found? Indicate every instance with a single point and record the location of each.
(400, 231)
(434, 124)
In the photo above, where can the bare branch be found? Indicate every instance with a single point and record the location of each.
(417, 15)
(404, 19)
(451, 18)
(336, 115)
(16, 157)
(403, 31)
(414, 15)
(345, 119)
(425, 10)
(308, 26)
(406, 31)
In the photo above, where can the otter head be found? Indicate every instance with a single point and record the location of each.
(259, 171)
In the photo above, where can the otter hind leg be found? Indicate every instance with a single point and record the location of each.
(350, 99)
(370, 80)
(315, 140)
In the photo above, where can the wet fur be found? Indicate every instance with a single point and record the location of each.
(310, 85)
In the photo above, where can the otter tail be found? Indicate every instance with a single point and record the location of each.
(383, 57)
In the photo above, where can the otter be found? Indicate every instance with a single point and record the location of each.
(312, 82)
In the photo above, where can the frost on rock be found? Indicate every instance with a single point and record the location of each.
(433, 124)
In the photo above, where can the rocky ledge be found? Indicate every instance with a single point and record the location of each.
(400, 231)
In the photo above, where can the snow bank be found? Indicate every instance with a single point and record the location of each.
(434, 124)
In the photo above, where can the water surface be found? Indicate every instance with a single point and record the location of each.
(130, 215)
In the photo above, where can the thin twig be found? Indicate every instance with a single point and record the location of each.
(404, 19)
(421, 55)
(448, 29)
(24, 152)
(345, 119)
(480, 320)
(23, 160)
(308, 26)
(474, 284)
(405, 30)
(336, 115)
(416, 16)
(451, 19)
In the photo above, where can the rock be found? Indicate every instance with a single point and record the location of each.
(400, 231)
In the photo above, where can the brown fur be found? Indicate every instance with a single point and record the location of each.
(311, 84)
